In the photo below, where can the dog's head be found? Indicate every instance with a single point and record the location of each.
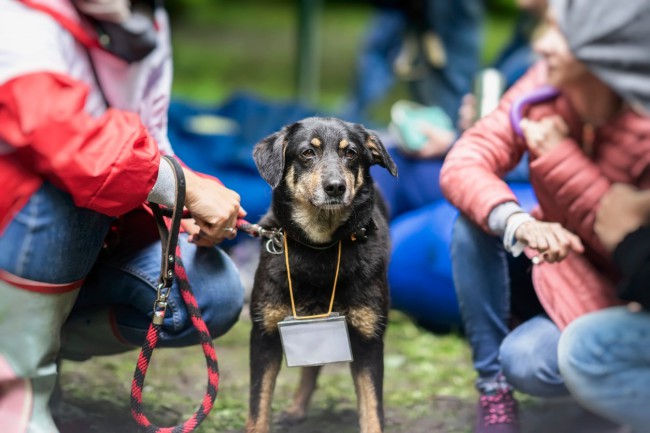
(322, 163)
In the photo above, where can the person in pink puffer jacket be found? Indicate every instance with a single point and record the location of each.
(589, 130)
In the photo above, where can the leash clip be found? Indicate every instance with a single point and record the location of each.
(275, 243)
(159, 310)
(160, 304)
(163, 294)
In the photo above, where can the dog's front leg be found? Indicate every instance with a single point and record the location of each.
(368, 374)
(302, 396)
(265, 361)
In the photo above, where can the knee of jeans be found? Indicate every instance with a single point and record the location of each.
(589, 362)
(222, 299)
(51, 239)
(229, 313)
(528, 370)
(579, 349)
(517, 367)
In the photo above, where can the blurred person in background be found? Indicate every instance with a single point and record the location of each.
(585, 132)
(452, 105)
(420, 271)
(433, 45)
(604, 356)
(84, 91)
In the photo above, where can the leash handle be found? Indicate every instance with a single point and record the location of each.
(169, 240)
(172, 266)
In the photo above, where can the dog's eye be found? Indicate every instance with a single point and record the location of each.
(308, 153)
(350, 153)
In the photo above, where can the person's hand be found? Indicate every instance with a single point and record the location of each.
(467, 112)
(623, 209)
(215, 210)
(194, 231)
(438, 142)
(551, 240)
(544, 135)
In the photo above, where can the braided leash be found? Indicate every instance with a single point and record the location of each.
(173, 265)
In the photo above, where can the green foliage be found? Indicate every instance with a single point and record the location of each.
(502, 7)
(228, 46)
(252, 47)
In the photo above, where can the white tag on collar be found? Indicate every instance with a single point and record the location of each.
(308, 342)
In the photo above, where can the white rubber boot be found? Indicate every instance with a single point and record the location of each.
(92, 332)
(31, 317)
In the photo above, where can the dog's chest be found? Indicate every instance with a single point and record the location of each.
(365, 320)
(356, 297)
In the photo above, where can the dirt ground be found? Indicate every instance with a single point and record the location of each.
(446, 415)
(96, 392)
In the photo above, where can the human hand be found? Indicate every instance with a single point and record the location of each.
(551, 240)
(544, 135)
(467, 112)
(194, 231)
(215, 210)
(623, 209)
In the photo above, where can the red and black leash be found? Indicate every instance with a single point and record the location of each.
(173, 266)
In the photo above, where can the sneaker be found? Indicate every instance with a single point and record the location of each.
(497, 412)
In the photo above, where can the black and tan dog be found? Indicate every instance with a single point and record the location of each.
(319, 169)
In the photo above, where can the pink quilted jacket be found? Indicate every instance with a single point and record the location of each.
(568, 182)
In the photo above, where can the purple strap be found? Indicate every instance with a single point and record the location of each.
(542, 94)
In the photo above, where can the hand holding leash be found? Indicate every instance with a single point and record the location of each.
(215, 210)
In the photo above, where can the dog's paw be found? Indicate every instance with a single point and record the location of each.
(291, 417)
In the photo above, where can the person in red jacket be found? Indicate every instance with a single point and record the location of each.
(582, 117)
(84, 90)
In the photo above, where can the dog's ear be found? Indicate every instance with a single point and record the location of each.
(379, 154)
(269, 157)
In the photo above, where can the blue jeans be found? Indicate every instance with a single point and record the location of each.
(51, 240)
(605, 360)
(492, 287)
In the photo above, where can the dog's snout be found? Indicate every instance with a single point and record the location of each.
(334, 187)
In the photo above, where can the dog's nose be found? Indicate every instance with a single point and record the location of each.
(334, 187)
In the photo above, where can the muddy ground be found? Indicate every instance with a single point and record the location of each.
(428, 388)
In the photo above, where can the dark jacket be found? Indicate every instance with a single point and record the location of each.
(633, 258)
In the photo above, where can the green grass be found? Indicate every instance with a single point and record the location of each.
(419, 368)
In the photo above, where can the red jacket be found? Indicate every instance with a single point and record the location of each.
(53, 124)
(568, 182)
